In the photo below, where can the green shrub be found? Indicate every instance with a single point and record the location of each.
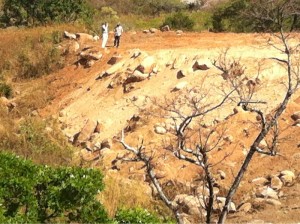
(5, 90)
(179, 20)
(136, 215)
(41, 194)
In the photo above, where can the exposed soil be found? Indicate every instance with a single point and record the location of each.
(81, 97)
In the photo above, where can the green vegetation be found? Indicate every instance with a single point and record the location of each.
(32, 193)
(256, 16)
(179, 21)
(136, 215)
(5, 90)
(40, 12)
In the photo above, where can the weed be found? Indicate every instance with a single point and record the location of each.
(5, 90)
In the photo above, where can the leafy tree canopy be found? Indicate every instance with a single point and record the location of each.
(36, 12)
(34, 193)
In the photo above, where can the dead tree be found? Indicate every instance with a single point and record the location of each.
(196, 154)
(268, 123)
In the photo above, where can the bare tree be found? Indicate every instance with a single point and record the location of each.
(243, 89)
(269, 122)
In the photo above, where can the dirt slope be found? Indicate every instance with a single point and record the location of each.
(82, 98)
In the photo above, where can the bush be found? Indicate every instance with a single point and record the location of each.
(40, 12)
(179, 20)
(5, 90)
(42, 194)
(136, 215)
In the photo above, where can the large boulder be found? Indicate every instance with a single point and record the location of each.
(136, 76)
(91, 55)
(115, 68)
(147, 65)
(87, 131)
(84, 37)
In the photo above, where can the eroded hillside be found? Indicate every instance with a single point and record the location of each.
(136, 87)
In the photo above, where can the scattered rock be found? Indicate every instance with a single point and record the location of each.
(136, 76)
(222, 174)
(276, 183)
(160, 130)
(260, 181)
(296, 116)
(107, 143)
(146, 31)
(287, 177)
(179, 32)
(165, 28)
(221, 203)
(87, 130)
(83, 37)
(261, 201)
(113, 69)
(147, 65)
(91, 55)
(96, 38)
(197, 66)
(180, 86)
(266, 192)
(69, 35)
(246, 207)
(114, 59)
(188, 204)
(183, 73)
(73, 47)
(228, 138)
(153, 30)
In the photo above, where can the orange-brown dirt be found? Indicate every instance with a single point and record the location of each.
(81, 97)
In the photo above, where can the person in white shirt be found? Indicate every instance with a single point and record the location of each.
(104, 34)
(118, 32)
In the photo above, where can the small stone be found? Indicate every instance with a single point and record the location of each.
(160, 130)
(276, 183)
(287, 177)
(246, 207)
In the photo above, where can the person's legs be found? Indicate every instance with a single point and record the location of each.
(104, 40)
(117, 41)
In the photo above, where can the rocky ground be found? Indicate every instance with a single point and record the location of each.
(105, 91)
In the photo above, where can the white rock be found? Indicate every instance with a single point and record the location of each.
(287, 177)
(260, 181)
(221, 202)
(147, 65)
(180, 86)
(266, 192)
(276, 183)
(69, 35)
(160, 130)
(246, 207)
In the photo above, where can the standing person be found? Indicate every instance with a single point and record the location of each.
(104, 34)
(118, 32)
